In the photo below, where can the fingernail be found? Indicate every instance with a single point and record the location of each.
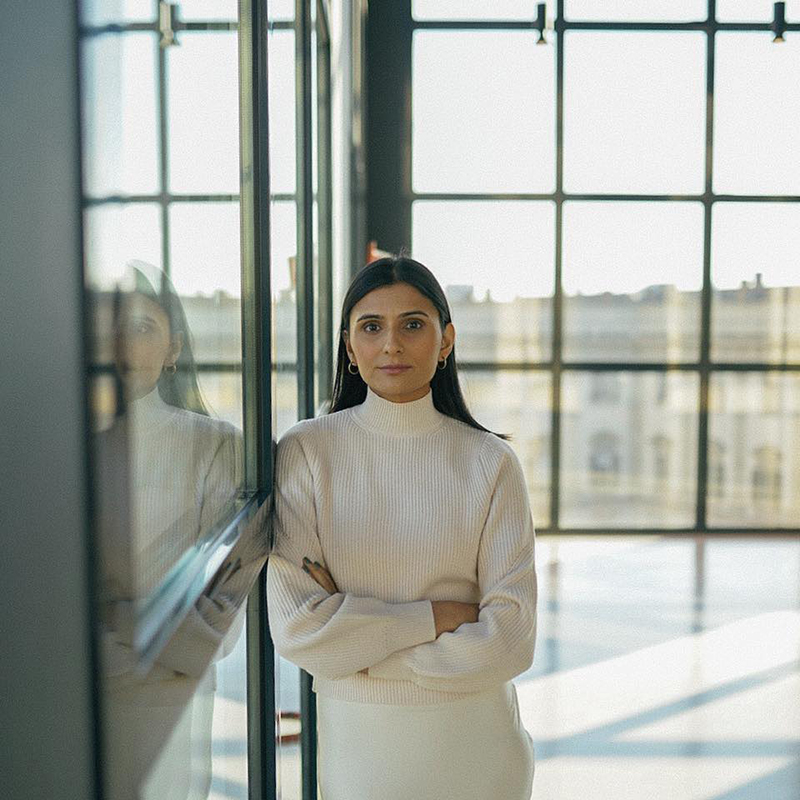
(306, 560)
(306, 569)
(317, 564)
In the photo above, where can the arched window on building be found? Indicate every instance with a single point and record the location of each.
(767, 475)
(662, 451)
(606, 387)
(716, 469)
(604, 459)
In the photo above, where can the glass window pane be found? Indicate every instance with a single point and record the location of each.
(495, 259)
(756, 108)
(203, 103)
(474, 9)
(222, 392)
(284, 294)
(120, 139)
(754, 11)
(517, 403)
(754, 438)
(116, 233)
(208, 10)
(116, 12)
(204, 254)
(282, 157)
(628, 449)
(756, 299)
(228, 743)
(638, 124)
(485, 99)
(631, 293)
(204, 248)
(636, 10)
(280, 10)
(287, 703)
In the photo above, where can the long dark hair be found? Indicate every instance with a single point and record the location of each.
(180, 388)
(350, 390)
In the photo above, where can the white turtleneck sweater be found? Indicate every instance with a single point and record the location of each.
(403, 505)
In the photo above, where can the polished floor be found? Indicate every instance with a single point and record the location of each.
(666, 669)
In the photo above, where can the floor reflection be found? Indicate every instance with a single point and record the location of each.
(666, 668)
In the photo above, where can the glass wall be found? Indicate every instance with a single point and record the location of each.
(618, 246)
(180, 536)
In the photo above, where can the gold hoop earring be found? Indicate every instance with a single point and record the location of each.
(443, 363)
(352, 364)
(170, 369)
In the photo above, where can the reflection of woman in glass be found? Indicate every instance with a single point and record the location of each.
(183, 471)
(403, 575)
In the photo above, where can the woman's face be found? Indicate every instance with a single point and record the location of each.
(144, 344)
(397, 326)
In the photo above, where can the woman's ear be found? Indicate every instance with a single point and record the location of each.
(176, 346)
(346, 339)
(448, 340)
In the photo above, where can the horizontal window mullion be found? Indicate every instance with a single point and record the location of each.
(167, 197)
(638, 198)
(778, 533)
(562, 25)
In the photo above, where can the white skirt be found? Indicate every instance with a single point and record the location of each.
(470, 749)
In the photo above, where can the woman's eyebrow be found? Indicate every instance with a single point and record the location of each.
(404, 314)
(142, 317)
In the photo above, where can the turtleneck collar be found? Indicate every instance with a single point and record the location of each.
(415, 418)
(150, 411)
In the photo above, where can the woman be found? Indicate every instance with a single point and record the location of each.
(403, 572)
(183, 471)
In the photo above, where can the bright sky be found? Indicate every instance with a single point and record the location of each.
(483, 121)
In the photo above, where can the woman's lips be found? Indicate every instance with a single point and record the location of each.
(394, 370)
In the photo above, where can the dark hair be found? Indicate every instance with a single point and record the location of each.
(350, 390)
(179, 389)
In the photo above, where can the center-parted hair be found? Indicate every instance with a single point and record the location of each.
(350, 390)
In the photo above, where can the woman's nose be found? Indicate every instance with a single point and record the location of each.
(392, 343)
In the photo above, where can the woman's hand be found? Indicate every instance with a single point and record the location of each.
(326, 581)
(320, 575)
(449, 614)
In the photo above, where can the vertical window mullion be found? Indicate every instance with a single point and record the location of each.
(558, 297)
(305, 325)
(705, 298)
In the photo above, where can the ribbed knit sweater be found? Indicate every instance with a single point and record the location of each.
(403, 505)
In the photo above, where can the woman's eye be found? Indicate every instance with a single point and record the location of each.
(370, 327)
(416, 323)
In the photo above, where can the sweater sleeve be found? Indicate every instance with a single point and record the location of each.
(328, 635)
(500, 644)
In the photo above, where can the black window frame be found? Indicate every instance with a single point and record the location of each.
(390, 196)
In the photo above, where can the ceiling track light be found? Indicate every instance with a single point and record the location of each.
(167, 24)
(779, 22)
(540, 23)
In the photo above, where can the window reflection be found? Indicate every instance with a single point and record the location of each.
(204, 113)
(120, 114)
(167, 474)
(166, 399)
